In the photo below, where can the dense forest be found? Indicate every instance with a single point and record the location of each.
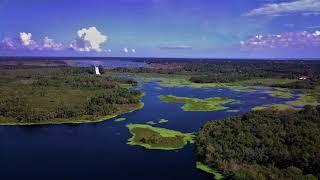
(268, 144)
(244, 69)
(35, 95)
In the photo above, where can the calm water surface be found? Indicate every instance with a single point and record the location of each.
(99, 150)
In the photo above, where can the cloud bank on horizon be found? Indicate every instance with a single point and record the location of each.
(284, 40)
(304, 7)
(87, 40)
(258, 28)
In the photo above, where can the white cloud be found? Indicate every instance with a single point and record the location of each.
(107, 50)
(301, 40)
(26, 38)
(9, 43)
(304, 7)
(316, 33)
(133, 50)
(22, 41)
(51, 44)
(89, 40)
(126, 50)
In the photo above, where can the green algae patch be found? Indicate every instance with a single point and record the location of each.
(304, 99)
(151, 122)
(196, 104)
(151, 137)
(274, 106)
(235, 102)
(209, 170)
(245, 90)
(233, 111)
(258, 108)
(120, 119)
(163, 121)
(281, 94)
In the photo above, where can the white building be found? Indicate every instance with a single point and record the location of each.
(303, 78)
(97, 70)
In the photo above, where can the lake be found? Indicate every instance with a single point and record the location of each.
(99, 150)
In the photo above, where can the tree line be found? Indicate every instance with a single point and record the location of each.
(24, 86)
(267, 144)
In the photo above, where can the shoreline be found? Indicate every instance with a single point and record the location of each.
(78, 121)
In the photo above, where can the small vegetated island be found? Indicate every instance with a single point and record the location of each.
(196, 104)
(34, 95)
(267, 144)
(158, 138)
(120, 119)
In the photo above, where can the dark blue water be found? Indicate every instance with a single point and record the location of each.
(99, 150)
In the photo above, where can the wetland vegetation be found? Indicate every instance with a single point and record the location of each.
(196, 104)
(120, 119)
(163, 121)
(209, 170)
(158, 138)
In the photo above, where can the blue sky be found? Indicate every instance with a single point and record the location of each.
(161, 28)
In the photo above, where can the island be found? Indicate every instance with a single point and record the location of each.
(151, 137)
(56, 95)
(163, 121)
(120, 119)
(196, 104)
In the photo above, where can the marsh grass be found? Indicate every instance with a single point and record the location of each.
(158, 138)
(196, 104)
(120, 119)
(209, 170)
